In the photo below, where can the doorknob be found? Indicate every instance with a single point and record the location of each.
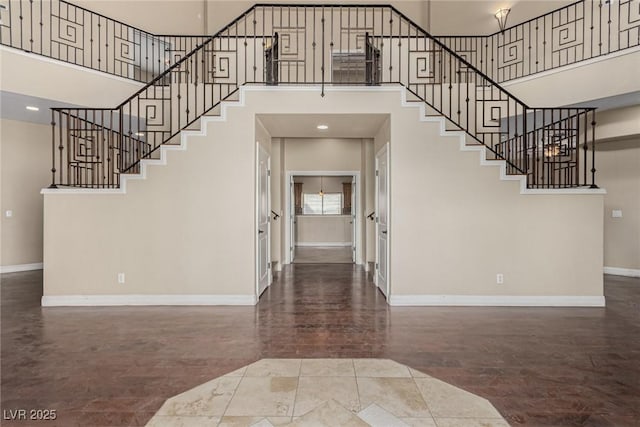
(260, 231)
(384, 231)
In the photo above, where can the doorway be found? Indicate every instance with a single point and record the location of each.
(323, 222)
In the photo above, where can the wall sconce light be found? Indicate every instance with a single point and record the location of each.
(501, 16)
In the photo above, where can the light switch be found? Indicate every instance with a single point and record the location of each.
(616, 213)
(8, 214)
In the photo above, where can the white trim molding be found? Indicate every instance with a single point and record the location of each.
(324, 244)
(119, 300)
(21, 267)
(627, 272)
(497, 300)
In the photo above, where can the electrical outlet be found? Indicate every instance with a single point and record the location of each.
(499, 278)
(616, 213)
(8, 214)
(121, 278)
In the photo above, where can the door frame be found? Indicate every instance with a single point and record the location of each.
(354, 220)
(291, 223)
(382, 151)
(358, 209)
(260, 148)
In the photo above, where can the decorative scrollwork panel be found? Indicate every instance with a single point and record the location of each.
(510, 54)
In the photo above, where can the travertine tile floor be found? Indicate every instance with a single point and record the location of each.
(327, 392)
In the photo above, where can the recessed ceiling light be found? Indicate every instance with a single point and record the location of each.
(139, 134)
(32, 108)
(323, 127)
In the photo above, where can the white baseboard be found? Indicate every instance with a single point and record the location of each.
(116, 300)
(497, 300)
(20, 267)
(628, 272)
(326, 244)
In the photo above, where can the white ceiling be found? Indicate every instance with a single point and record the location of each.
(13, 107)
(305, 125)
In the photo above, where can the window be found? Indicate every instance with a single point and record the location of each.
(326, 204)
(332, 204)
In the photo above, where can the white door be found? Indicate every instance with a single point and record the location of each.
(382, 220)
(353, 220)
(263, 243)
(292, 220)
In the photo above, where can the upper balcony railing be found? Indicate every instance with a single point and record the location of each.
(580, 31)
(320, 45)
(69, 33)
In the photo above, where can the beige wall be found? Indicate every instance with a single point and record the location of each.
(322, 154)
(26, 165)
(183, 230)
(382, 137)
(328, 184)
(618, 123)
(313, 229)
(262, 136)
(618, 171)
(209, 16)
(476, 17)
(454, 223)
(440, 17)
(158, 17)
(223, 12)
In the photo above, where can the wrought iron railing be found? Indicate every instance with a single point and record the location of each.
(555, 153)
(580, 31)
(69, 33)
(319, 45)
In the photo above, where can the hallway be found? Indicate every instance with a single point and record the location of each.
(323, 255)
(102, 366)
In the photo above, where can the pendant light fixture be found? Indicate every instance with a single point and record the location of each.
(321, 190)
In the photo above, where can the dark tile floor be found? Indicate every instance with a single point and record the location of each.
(115, 366)
(323, 255)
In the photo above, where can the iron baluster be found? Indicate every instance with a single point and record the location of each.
(473, 102)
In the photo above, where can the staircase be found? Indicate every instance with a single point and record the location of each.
(323, 45)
